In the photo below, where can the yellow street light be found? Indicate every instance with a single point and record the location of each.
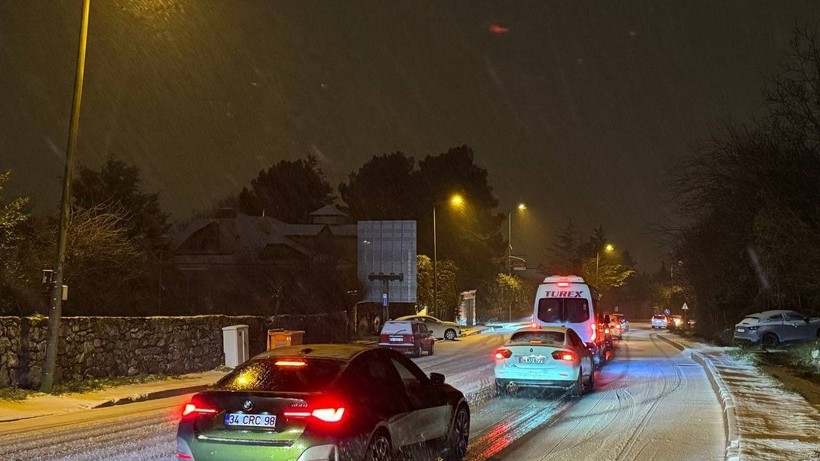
(457, 201)
(521, 207)
(609, 248)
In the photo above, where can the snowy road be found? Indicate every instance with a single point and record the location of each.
(651, 403)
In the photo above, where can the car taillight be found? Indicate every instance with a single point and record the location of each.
(327, 411)
(594, 331)
(184, 456)
(534, 325)
(330, 415)
(194, 408)
(606, 331)
(291, 363)
(567, 356)
(503, 354)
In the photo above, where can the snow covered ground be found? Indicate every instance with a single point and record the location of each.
(770, 421)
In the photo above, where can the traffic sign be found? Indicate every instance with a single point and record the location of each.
(684, 307)
(384, 299)
(667, 311)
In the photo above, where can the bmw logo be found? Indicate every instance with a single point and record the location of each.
(247, 405)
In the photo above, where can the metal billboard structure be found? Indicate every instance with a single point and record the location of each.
(387, 262)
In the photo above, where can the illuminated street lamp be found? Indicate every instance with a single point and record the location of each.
(607, 248)
(456, 201)
(520, 207)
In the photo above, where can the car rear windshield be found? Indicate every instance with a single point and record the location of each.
(546, 337)
(563, 310)
(289, 376)
(397, 327)
(659, 317)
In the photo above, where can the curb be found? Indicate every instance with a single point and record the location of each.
(153, 395)
(724, 396)
(672, 343)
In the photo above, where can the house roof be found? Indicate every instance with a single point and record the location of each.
(262, 231)
(328, 210)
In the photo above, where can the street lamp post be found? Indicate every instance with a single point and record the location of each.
(55, 312)
(608, 248)
(456, 200)
(520, 207)
(435, 271)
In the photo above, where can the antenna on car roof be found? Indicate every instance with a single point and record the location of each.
(306, 350)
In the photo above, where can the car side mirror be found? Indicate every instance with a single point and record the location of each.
(436, 378)
(807, 319)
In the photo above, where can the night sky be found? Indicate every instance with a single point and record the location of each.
(580, 109)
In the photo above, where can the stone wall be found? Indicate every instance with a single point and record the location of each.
(97, 347)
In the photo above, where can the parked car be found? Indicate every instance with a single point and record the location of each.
(441, 329)
(338, 402)
(771, 328)
(407, 336)
(660, 321)
(548, 357)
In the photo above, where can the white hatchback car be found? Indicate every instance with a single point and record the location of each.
(660, 321)
(547, 358)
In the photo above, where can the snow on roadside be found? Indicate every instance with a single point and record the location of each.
(773, 422)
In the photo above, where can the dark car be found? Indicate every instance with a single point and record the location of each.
(326, 402)
(407, 336)
(771, 328)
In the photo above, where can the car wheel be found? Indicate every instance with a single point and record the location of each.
(590, 382)
(450, 334)
(459, 436)
(769, 341)
(577, 389)
(430, 352)
(379, 448)
(500, 390)
(416, 351)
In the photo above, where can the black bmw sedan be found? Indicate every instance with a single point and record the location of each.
(328, 402)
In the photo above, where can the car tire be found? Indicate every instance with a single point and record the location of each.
(500, 390)
(379, 448)
(577, 389)
(590, 382)
(430, 351)
(769, 341)
(459, 435)
(450, 334)
(416, 351)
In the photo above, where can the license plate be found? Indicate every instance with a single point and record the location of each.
(530, 359)
(396, 339)
(250, 420)
(741, 330)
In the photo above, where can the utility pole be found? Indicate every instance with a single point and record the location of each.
(71, 152)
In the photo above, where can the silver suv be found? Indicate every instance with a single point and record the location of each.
(771, 328)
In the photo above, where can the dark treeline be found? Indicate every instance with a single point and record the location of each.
(751, 199)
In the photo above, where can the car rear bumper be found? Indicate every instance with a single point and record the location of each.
(746, 336)
(536, 383)
(401, 347)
